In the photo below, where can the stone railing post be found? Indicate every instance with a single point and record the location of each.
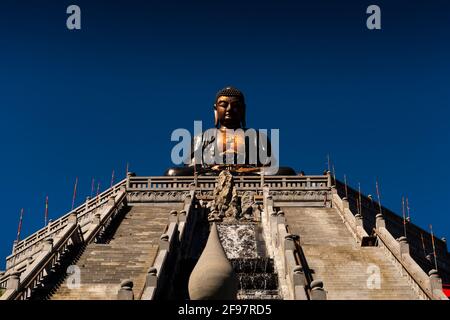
(126, 291)
(299, 282)
(380, 223)
(152, 277)
(111, 200)
(86, 204)
(164, 242)
(14, 245)
(182, 216)
(96, 219)
(328, 179)
(298, 276)
(280, 217)
(129, 175)
(358, 220)
(173, 217)
(435, 281)
(289, 243)
(73, 219)
(404, 246)
(345, 204)
(274, 228)
(47, 245)
(317, 290)
(13, 281)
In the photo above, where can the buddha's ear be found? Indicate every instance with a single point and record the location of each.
(216, 117)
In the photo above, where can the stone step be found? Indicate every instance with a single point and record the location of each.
(336, 259)
(128, 255)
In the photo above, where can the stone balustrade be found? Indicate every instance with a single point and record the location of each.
(426, 286)
(31, 245)
(242, 183)
(168, 245)
(284, 245)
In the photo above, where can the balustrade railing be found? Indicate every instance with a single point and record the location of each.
(241, 182)
(32, 244)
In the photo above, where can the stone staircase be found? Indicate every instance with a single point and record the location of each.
(127, 253)
(348, 271)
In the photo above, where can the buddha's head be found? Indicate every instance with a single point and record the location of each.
(229, 109)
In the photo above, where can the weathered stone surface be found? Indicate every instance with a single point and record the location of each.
(348, 271)
(127, 256)
(247, 204)
(225, 203)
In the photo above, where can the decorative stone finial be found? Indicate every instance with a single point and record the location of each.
(213, 277)
(126, 290)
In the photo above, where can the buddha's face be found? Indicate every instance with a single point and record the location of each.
(230, 111)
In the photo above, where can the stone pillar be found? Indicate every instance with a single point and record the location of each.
(111, 200)
(380, 223)
(14, 245)
(96, 219)
(289, 242)
(358, 220)
(280, 217)
(13, 281)
(404, 246)
(126, 291)
(328, 179)
(345, 204)
(173, 217)
(298, 276)
(317, 290)
(435, 280)
(333, 190)
(274, 228)
(47, 245)
(129, 175)
(164, 242)
(152, 278)
(86, 204)
(72, 218)
(299, 282)
(182, 216)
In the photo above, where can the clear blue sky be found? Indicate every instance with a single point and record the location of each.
(84, 103)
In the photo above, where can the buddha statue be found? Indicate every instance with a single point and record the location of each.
(230, 145)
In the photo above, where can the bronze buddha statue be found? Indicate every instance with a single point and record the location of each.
(230, 145)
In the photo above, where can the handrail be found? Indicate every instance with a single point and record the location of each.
(46, 261)
(349, 218)
(419, 276)
(108, 215)
(31, 244)
(241, 182)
